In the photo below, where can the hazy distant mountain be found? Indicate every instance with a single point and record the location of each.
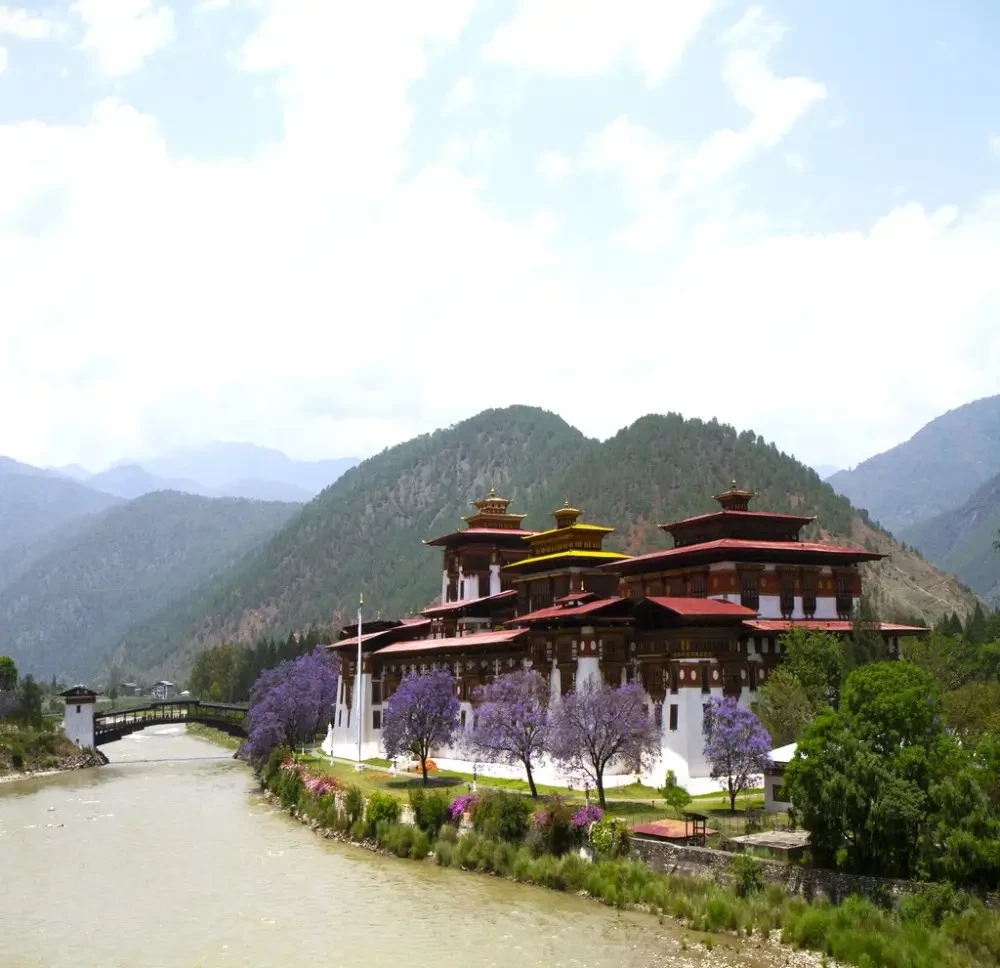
(218, 465)
(64, 613)
(937, 469)
(961, 540)
(130, 481)
(826, 470)
(10, 466)
(34, 502)
(268, 491)
(75, 471)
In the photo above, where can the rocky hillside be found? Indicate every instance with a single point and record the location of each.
(65, 611)
(962, 540)
(936, 470)
(365, 532)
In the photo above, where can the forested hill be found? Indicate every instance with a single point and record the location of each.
(65, 612)
(962, 540)
(936, 470)
(365, 531)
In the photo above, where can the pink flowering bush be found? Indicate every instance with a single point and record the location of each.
(463, 804)
(587, 815)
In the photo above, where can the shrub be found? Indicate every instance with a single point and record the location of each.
(430, 810)
(747, 874)
(421, 845)
(464, 804)
(358, 831)
(721, 914)
(273, 764)
(381, 808)
(447, 835)
(353, 804)
(553, 828)
(611, 838)
(501, 815)
(931, 904)
(444, 852)
(398, 838)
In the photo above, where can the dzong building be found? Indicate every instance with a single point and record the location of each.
(696, 620)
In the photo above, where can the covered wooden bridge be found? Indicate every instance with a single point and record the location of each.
(228, 717)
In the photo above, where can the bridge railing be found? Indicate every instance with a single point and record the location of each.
(169, 711)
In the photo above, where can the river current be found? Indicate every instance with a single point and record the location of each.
(170, 857)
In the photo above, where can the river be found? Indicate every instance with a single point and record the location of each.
(169, 857)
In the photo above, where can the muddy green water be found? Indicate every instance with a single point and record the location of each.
(169, 857)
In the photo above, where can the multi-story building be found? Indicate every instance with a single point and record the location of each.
(697, 620)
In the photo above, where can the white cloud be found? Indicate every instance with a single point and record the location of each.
(461, 95)
(554, 166)
(207, 6)
(321, 295)
(21, 23)
(579, 38)
(123, 33)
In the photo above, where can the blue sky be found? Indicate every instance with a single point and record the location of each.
(310, 224)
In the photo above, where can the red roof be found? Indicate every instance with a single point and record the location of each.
(454, 643)
(669, 829)
(576, 597)
(695, 607)
(480, 533)
(563, 612)
(827, 625)
(458, 606)
(406, 627)
(750, 515)
(741, 544)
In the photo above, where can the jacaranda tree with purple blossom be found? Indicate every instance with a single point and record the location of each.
(736, 744)
(422, 714)
(595, 727)
(512, 721)
(290, 703)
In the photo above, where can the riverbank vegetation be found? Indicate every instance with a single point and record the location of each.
(212, 735)
(539, 842)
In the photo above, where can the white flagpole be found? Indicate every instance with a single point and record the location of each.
(357, 678)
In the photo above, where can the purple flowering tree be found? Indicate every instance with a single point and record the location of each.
(596, 727)
(736, 744)
(512, 721)
(290, 703)
(422, 713)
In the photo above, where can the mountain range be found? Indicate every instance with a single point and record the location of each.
(939, 491)
(78, 596)
(218, 470)
(142, 583)
(364, 533)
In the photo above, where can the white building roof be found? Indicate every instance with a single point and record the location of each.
(784, 754)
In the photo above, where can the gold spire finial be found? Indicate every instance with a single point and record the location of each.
(732, 484)
(493, 492)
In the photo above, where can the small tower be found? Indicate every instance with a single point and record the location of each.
(735, 499)
(79, 718)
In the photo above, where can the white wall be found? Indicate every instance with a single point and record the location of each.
(79, 723)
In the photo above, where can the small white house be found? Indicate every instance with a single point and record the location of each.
(163, 690)
(774, 795)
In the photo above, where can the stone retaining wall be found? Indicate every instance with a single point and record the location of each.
(809, 882)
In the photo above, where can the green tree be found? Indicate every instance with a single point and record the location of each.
(784, 707)
(29, 697)
(8, 674)
(816, 660)
(866, 643)
(861, 779)
(676, 797)
(973, 710)
(947, 658)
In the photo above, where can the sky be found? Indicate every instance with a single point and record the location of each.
(326, 226)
